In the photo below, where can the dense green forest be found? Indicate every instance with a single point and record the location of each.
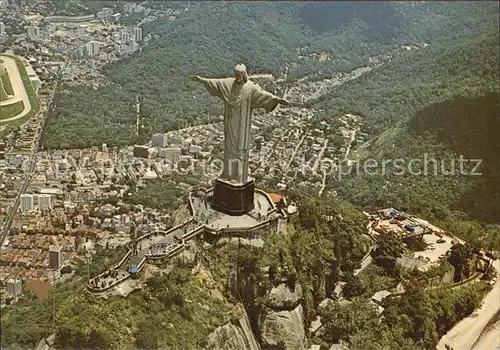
(444, 108)
(317, 253)
(211, 37)
(414, 80)
(159, 194)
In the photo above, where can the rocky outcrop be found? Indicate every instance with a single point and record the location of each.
(282, 298)
(46, 344)
(283, 329)
(231, 336)
(273, 307)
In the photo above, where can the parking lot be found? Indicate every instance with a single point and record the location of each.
(436, 250)
(390, 221)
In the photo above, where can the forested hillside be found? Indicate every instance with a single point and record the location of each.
(210, 38)
(440, 104)
(414, 80)
(470, 127)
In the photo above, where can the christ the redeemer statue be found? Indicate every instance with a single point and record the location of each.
(240, 96)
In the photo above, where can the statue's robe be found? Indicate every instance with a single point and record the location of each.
(239, 101)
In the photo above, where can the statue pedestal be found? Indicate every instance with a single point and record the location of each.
(233, 199)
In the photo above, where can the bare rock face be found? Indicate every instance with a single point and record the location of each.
(233, 336)
(282, 298)
(46, 344)
(283, 329)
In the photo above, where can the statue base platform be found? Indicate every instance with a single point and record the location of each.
(233, 199)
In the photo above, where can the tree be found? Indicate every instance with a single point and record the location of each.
(344, 321)
(66, 269)
(389, 249)
(353, 287)
(113, 200)
(416, 243)
(460, 258)
(145, 336)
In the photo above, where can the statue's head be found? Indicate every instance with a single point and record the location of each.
(240, 74)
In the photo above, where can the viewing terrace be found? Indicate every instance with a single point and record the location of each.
(265, 217)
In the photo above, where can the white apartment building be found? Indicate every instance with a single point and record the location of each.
(44, 202)
(92, 48)
(138, 34)
(27, 202)
(125, 37)
(14, 287)
(33, 31)
(159, 140)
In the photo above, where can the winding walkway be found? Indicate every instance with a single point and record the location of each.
(203, 219)
(20, 93)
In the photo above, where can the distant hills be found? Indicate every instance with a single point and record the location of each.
(212, 36)
(470, 127)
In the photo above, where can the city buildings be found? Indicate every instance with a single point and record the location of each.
(141, 151)
(176, 140)
(27, 202)
(44, 202)
(59, 203)
(138, 34)
(105, 13)
(115, 18)
(92, 48)
(55, 257)
(125, 37)
(159, 140)
(194, 149)
(33, 32)
(171, 154)
(2, 150)
(14, 287)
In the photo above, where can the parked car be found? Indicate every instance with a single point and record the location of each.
(491, 255)
(409, 228)
(441, 240)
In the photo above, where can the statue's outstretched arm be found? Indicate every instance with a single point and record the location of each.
(196, 78)
(283, 102)
(219, 87)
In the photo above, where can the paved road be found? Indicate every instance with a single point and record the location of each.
(33, 160)
(490, 340)
(467, 331)
(10, 65)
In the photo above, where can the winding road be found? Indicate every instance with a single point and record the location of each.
(20, 93)
(467, 332)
